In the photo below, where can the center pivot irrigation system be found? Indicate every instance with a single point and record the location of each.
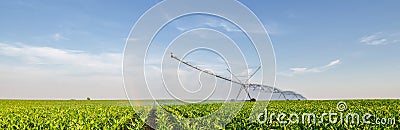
(246, 86)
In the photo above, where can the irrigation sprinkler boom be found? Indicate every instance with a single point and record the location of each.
(244, 85)
(210, 73)
(205, 71)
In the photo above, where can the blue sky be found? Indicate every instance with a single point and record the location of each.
(324, 49)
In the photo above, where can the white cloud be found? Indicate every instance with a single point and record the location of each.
(220, 24)
(58, 37)
(211, 23)
(335, 62)
(71, 61)
(182, 28)
(303, 70)
(380, 39)
(35, 72)
(131, 39)
(253, 28)
(54, 37)
(225, 25)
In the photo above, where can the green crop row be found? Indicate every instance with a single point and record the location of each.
(359, 114)
(21, 114)
(68, 115)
